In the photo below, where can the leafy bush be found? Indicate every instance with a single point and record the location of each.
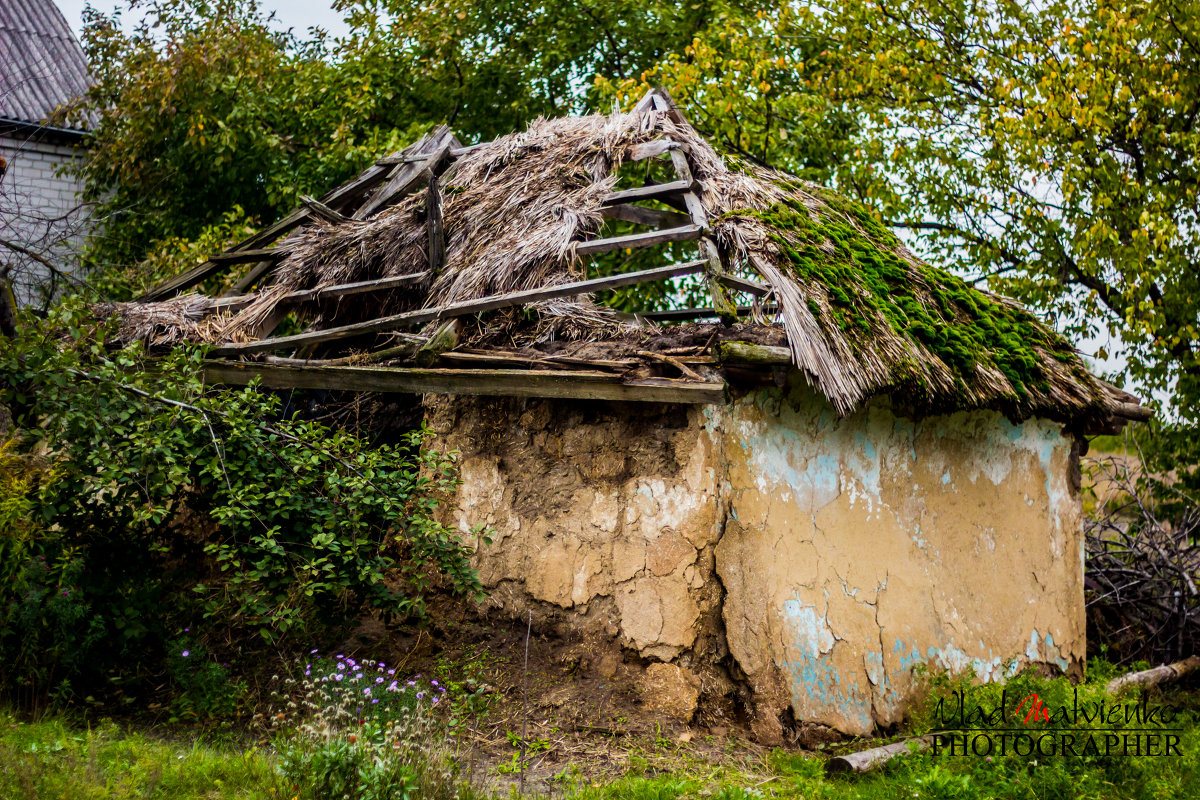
(162, 502)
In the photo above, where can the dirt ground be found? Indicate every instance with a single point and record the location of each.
(580, 706)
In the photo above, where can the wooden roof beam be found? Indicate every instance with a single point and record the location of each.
(569, 384)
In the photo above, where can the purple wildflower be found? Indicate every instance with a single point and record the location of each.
(185, 653)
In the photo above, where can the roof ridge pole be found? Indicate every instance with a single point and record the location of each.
(715, 272)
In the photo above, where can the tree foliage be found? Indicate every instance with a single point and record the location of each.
(1049, 149)
(207, 107)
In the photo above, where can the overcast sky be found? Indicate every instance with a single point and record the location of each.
(298, 14)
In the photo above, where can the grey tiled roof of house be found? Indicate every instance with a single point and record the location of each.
(42, 65)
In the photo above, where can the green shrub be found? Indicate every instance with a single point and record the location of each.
(164, 504)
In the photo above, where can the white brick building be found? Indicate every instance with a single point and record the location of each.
(42, 69)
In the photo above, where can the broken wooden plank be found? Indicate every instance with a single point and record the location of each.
(652, 192)
(401, 351)
(464, 308)
(575, 385)
(323, 211)
(640, 215)
(334, 199)
(468, 358)
(246, 256)
(407, 176)
(357, 287)
(867, 760)
(455, 152)
(680, 314)
(1154, 676)
(684, 233)
(443, 338)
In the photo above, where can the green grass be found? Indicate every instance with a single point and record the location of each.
(52, 759)
(56, 759)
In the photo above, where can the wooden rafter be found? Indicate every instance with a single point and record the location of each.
(640, 215)
(655, 191)
(464, 308)
(685, 233)
(328, 292)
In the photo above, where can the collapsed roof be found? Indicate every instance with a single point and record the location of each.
(462, 256)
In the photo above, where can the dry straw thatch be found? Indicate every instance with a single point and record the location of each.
(863, 315)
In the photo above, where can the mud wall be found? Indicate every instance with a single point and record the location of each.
(823, 558)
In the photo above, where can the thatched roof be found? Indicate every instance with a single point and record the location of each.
(440, 225)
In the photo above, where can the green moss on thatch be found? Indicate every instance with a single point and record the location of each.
(845, 253)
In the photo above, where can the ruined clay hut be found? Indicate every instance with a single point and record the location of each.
(839, 464)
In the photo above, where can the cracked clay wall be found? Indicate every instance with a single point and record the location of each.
(824, 558)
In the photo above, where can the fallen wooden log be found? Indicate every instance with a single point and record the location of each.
(750, 353)
(867, 760)
(1153, 677)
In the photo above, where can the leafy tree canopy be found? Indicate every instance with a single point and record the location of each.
(206, 107)
(1049, 149)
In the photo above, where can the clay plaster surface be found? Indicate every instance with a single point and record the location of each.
(828, 556)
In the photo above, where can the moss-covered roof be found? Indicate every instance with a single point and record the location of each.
(911, 328)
